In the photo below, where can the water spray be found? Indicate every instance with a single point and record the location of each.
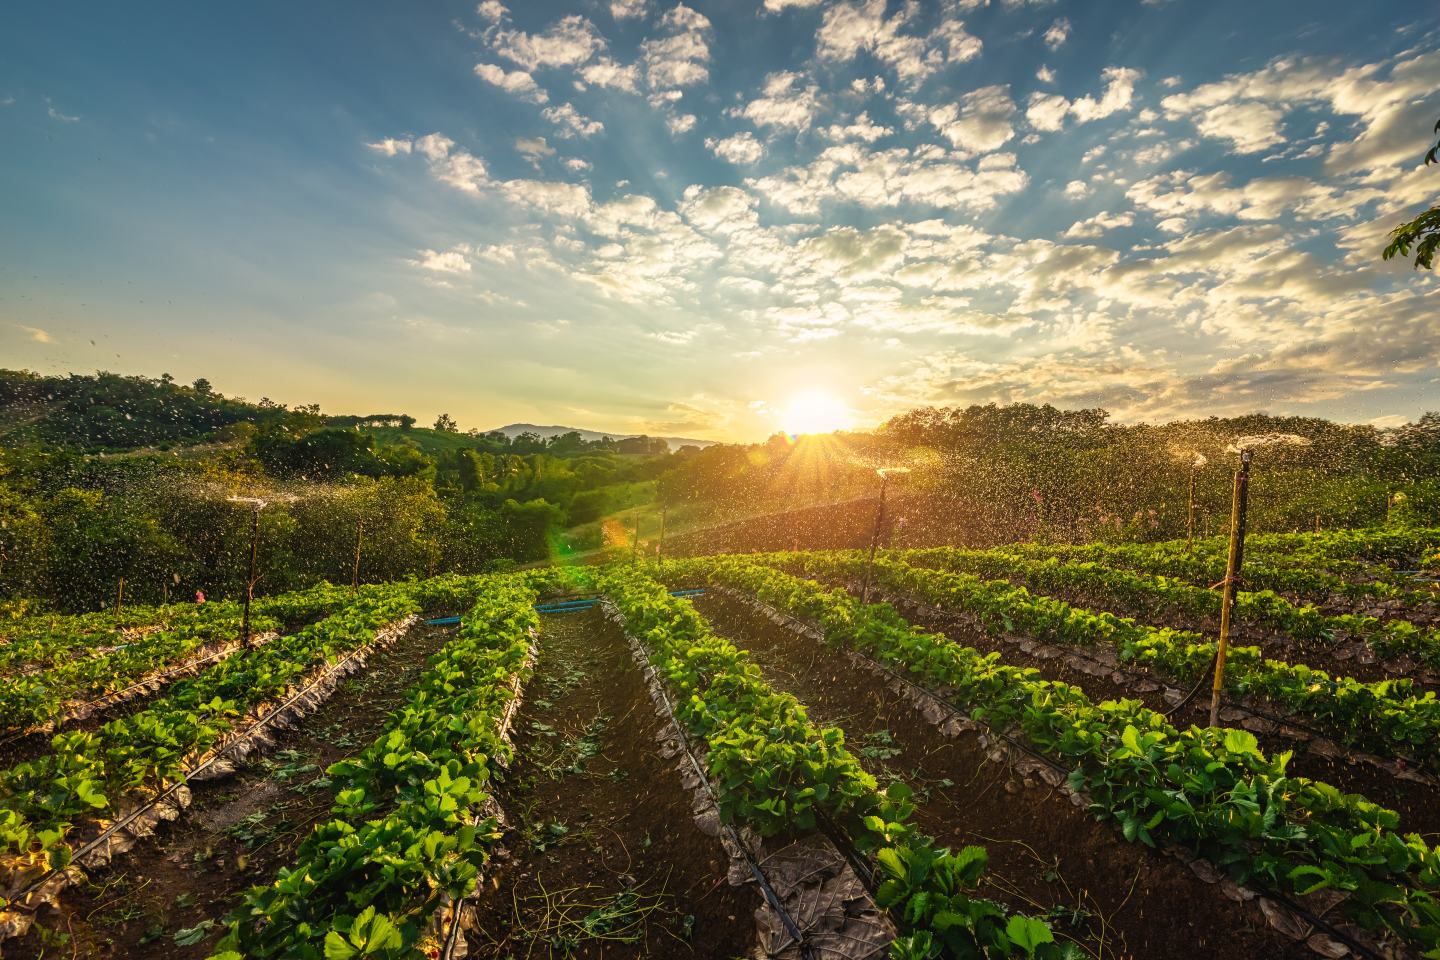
(257, 504)
(885, 473)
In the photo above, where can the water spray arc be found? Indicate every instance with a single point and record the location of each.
(885, 474)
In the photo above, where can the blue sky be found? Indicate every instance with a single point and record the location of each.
(644, 216)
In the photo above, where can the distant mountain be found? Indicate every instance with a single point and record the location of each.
(515, 429)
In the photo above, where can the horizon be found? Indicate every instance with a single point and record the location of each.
(720, 221)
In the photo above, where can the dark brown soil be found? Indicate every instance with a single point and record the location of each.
(237, 832)
(603, 857)
(1413, 801)
(1115, 899)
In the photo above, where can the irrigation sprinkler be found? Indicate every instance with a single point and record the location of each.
(1239, 505)
(885, 474)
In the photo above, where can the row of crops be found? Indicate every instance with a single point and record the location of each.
(412, 822)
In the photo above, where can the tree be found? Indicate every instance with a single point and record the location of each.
(1421, 234)
(446, 424)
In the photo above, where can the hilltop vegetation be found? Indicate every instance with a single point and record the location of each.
(107, 476)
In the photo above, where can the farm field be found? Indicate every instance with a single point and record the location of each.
(1001, 753)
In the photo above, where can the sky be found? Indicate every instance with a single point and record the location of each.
(644, 216)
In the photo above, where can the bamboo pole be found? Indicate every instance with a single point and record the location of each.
(1239, 502)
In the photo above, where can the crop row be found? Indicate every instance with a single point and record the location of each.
(33, 699)
(405, 833)
(87, 774)
(1259, 572)
(1387, 638)
(1209, 790)
(1387, 717)
(776, 772)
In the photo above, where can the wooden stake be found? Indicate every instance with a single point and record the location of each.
(635, 540)
(1239, 501)
(119, 596)
(660, 551)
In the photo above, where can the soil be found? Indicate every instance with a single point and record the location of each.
(1413, 801)
(602, 856)
(1115, 899)
(237, 832)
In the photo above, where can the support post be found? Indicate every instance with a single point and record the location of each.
(119, 596)
(250, 581)
(355, 570)
(874, 541)
(635, 539)
(660, 550)
(1239, 502)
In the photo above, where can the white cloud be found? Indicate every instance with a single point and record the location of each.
(533, 148)
(571, 122)
(773, 6)
(1057, 34)
(1045, 74)
(1047, 111)
(681, 123)
(850, 28)
(682, 58)
(516, 82)
(863, 129)
(1100, 224)
(568, 42)
(627, 9)
(604, 72)
(390, 146)
(578, 164)
(739, 148)
(980, 122)
(36, 334)
(56, 114)
(789, 101)
(452, 261)
(1077, 189)
(1250, 127)
(492, 10)
(926, 175)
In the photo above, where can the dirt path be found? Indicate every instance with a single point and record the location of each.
(603, 859)
(1113, 898)
(158, 899)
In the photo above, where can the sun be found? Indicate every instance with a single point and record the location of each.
(814, 411)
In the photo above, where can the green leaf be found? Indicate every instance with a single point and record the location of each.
(1028, 933)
